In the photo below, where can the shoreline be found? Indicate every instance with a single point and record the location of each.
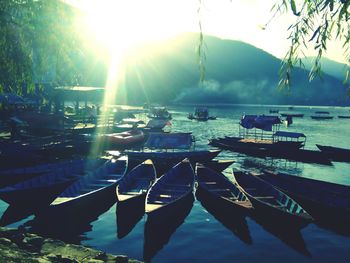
(18, 245)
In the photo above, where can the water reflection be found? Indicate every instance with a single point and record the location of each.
(338, 227)
(288, 234)
(231, 217)
(69, 224)
(285, 165)
(14, 214)
(129, 213)
(158, 230)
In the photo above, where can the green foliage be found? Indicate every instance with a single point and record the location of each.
(317, 22)
(36, 39)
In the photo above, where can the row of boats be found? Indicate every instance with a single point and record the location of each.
(278, 197)
(318, 115)
(62, 183)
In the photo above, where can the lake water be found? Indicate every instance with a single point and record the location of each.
(196, 235)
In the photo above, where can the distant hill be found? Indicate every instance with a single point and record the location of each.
(236, 72)
(328, 66)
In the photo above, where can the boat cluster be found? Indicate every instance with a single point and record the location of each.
(163, 171)
(260, 136)
(282, 198)
(317, 115)
(55, 190)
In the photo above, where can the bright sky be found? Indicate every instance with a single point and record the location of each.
(137, 21)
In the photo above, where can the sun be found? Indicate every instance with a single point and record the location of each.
(123, 24)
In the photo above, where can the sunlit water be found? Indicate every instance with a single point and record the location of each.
(199, 236)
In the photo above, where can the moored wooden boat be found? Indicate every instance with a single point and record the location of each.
(13, 176)
(325, 201)
(272, 144)
(218, 187)
(321, 117)
(37, 191)
(201, 114)
(299, 155)
(344, 116)
(170, 188)
(321, 112)
(136, 183)
(270, 202)
(96, 185)
(294, 115)
(335, 153)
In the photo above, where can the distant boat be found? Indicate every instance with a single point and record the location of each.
(271, 202)
(95, 186)
(170, 189)
(321, 112)
(321, 117)
(159, 112)
(273, 111)
(136, 183)
(325, 200)
(220, 189)
(201, 114)
(344, 116)
(295, 115)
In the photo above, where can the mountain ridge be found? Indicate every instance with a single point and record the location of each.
(235, 73)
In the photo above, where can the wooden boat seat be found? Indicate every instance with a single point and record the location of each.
(264, 197)
(165, 196)
(232, 198)
(209, 182)
(132, 192)
(157, 202)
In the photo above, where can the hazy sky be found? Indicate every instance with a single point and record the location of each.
(144, 20)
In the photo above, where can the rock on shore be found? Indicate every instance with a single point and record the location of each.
(17, 245)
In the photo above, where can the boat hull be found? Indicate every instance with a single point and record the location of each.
(299, 155)
(81, 204)
(326, 202)
(34, 197)
(335, 153)
(171, 209)
(270, 203)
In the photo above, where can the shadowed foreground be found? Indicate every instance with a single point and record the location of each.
(16, 245)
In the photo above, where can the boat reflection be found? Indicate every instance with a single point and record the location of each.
(288, 234)
(14, 214)
(158, 231)
(69, 225)
(337, 227)
(129, 213)
(231, 217)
